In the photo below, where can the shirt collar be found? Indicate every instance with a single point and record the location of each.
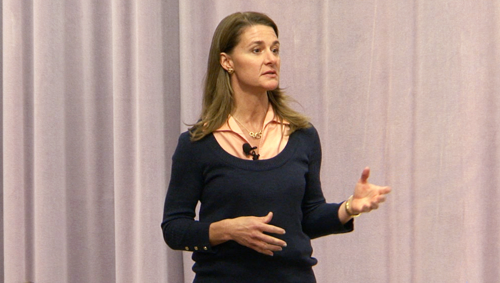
(232, 126)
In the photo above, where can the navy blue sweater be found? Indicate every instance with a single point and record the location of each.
(228, 187)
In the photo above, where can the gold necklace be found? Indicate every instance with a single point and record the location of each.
(255, 135)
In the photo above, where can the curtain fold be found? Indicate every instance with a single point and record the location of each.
(1, 145)
(18, 143)
(95, 93)
(86, 117)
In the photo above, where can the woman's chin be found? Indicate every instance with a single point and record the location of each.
(271, 86)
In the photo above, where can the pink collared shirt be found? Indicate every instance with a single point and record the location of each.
(274, 138)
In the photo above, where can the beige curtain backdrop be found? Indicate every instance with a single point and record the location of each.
(95, 93)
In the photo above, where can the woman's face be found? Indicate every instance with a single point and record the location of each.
(255, 60)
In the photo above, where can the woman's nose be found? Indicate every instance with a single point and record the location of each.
(271, 57)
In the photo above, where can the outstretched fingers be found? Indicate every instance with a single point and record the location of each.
(385, 190)
(365, 175)
(368, 196)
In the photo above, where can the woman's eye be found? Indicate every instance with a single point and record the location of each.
(276, 51)
(256, 50)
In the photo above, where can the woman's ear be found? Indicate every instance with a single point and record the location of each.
(225, 61)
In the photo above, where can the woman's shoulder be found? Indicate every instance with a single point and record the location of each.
(189, 150)
(308, 132)
(185, 136)
(185, 140)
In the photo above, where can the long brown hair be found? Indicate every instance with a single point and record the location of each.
(218, 100)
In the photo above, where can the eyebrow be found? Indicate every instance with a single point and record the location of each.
(259, 42)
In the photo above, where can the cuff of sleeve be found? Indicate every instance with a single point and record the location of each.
(200, 241)
(349, 226)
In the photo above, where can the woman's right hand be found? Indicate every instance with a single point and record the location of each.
(248, 231)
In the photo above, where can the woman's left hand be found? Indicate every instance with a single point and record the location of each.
(367, 196)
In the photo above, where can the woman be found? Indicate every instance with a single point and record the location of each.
(254, 165)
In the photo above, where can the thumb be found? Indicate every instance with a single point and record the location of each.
(268, 217)
(365, 175)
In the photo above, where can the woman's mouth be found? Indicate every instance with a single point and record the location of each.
(271, 73)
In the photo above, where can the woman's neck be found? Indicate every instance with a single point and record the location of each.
(251, 110)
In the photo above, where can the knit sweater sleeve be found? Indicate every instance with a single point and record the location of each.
(320, 218)
(180, 229)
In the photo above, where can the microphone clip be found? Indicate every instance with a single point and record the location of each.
(249, 150)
